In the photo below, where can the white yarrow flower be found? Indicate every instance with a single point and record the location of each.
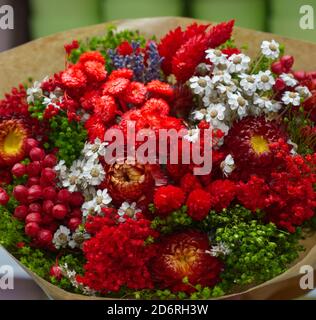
(248, 83)
(219, 249)
(200, 85)
(216, 56)
(61, 237)
(303, 91)
(265, 80)
(238, 63)
(128, 209)
(215, 112)
(290, 97)
(93, 173)
(237, 102)
(192, 135)
(95, 149)
(270, 49)
(228, 165)
(289, 79)
(102, 199)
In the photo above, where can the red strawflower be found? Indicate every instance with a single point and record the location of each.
(158, 88)
(189, 182)
(231, 51)
(73, 78)
(92, 56)
(124, 48)
(123, 261)
(167, 199)
(105, 108)
(94, 70)
(184, 254)
(95, 128)
(135, 93)
(199, 204)
(116, 86)
(222, 193)
(122, 73)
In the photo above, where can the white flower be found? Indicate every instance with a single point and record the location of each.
(34, 92)
(192, 135)
(88, 208)
(52, 100)
(237, 102)
(95, 149)
(93, 173)
(77, 165)
(220, 249)
(61, 237)
(61, 169)
(290, 97)
(289, 79)
(215, 112)
(200, 85)
(294, 147)
(223, 89)
(77, 238)
(270, 49)
(265, 80)
(221, 76)
(129, 210)
(89, 193)
(262, 102)
(228, 165)
(72, 180)
(101, 200)
(216, 56)
(303, 91)
(248, 83)
(238, 63)
(199, 114)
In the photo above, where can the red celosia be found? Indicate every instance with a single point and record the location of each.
(123, 261)
(220, 33)
(199, 204)
(231, 51)
(167, 199)
(222, 193)
(116, 86)
(189, 182)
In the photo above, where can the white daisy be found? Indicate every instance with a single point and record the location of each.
(228, 165)
(216, 56)
(127, 209)
(265, 80)
(95, 149)
(238, 63)
(192, 135)
(289, 79)
(290, 97)
(61, 169)
(237, 102)
(35, 92)
(101, 200)
(248, 83)
(72, 180)
(215, 112)
(61, 237)
(200, 85)
(270, 49)
(303, 91)
(221, 76)
(88, 208)
(93, 173)
(199, 114)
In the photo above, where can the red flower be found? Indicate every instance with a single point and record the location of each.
(135, 93)
(73, 78)
(88, 100)
(231, 51)
(222, 193)
(199, 204)
(167, 199)
(156, 106)
(189, 182)
(116, 86)
(92, 56)
(124, 49)
(122, 73)
(220, 33)
(69, 47)
(95, 128)
(181, 255)
(159, 88)
(105, 108)
(94, 70)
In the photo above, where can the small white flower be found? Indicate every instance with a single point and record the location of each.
(248, 83)
(265, 80)
(200, 85)
(228, 165)
(270, 49)
(35, 92)
(262, 102)
(215, 112)
(290, 97)
(78, 238)
(216, 56)
(93, 173)
(303, 91)
(72, 180)
(88, 208)
(199, 114)
(219, 249)
(238, 63)
(61, 169)
(237, 102)
(294, 147)
(101, 200)
(129, 210)
(221, 76)
(61, 237)
(223, 89)
(192, 135)
(95, 149)
(289, 79)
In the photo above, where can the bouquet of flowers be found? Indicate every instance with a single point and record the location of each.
(174, 168)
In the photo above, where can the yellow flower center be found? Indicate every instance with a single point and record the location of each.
(259, 144)
(13, 142)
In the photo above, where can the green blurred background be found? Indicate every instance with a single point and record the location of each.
(277, 16)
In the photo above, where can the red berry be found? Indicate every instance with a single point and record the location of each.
(49, 193)
(32, 181)
(18, 170)
(32, 229)
(48, 174)
(279, 84)
(311, 74)
(35, 193)
(299, 75)
(44, 237)
(47, 220)
(35, 207)
(30, 143)
(55, 272)
(48, 206)
(76, 213)
(20, 193)
(74, 223)
(33, 217)
(287, 62)
(59, 211)
(51, 225)
(63, 196)
(4, 197)
(277, 67)
(37, 154)
(76, 199)
(21, 212)
(34, 169)
(49, 161)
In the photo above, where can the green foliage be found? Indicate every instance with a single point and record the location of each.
(68, 137)
(258, 251)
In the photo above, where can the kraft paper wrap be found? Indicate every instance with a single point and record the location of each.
(45, 56)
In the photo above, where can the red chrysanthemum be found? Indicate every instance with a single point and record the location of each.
(156, 106)
(181, 255)
(116, 86)
(167, 199)
(105, 108)
(135, 93)
(158, 88)
(94, 70)
(95, 128)
(73, 78)
(189, 182)
(199, 204)
(222, 193)
(88, 100)
(122, 73)
(92, 56)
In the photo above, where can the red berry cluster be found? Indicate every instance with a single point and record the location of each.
(43, 206)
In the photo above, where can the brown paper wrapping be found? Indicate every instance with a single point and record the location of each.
(45, 56)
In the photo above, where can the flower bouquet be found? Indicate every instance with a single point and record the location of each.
(178, 168)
